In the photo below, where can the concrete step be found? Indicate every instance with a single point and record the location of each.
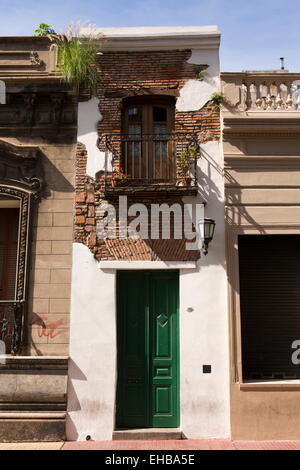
(148, 434)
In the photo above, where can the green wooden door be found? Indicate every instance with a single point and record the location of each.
(148, 349)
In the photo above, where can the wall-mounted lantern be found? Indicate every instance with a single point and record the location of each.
(206, 232)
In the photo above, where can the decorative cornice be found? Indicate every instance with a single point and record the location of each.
(26, 57)
(155, 38)
(288, 124)
(261, 162)
(284, 75)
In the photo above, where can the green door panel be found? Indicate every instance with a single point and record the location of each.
(132, 387)
(148, 345)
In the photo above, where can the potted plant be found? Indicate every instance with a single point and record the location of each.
(118, 176)
(184, 163)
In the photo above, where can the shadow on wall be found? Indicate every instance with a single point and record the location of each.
(236, 216)
(207, 188)
(211, 193)
(35, 319)
(74, 373)
(54, 178)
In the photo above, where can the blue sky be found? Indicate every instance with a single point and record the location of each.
(255, 33)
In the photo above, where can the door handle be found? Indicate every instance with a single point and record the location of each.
(132, 381)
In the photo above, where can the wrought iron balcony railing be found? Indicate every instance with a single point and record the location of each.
(11, 319)
(161, 161)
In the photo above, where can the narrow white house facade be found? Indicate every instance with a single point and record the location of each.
(149, 326)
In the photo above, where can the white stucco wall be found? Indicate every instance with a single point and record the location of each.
(91, 380)
(204, 398)
(88, 118)
(196, 93)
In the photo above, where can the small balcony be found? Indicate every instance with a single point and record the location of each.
(151, 164)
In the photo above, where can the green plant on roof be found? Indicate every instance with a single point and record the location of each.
(77, 57)
(44, 29)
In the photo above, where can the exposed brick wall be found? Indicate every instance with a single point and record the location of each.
(122, 75)
(89, 196)
(126, 74)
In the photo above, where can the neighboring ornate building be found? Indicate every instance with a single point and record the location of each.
(261, 143)
(149, 339)
(38, 119)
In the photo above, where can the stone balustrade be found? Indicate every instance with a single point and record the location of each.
(262, 91)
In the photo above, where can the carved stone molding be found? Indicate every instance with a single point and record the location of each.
(20, 166)
(29, 100)
(37, 110)
(57, 100)
(35, 59)
(20, 61)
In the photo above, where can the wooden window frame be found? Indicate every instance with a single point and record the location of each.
(147, 167)
(147, 103)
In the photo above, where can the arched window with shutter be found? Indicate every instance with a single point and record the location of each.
(20, 186)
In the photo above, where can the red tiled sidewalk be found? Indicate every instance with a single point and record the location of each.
(267, 445)
(185, 444)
